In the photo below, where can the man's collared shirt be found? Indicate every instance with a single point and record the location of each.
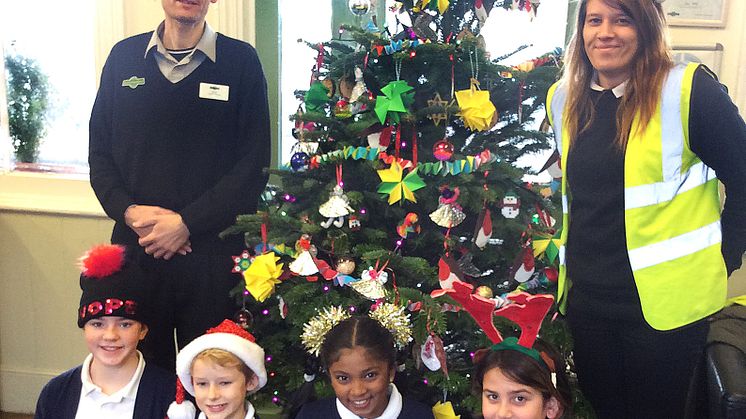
(119, 405)
(176, 70)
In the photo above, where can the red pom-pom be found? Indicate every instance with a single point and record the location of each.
(102, 261)
(228, 326)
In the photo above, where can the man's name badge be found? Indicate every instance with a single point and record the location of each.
(133, 82)
(213, 91)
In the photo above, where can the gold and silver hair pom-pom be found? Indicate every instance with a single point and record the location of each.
(393, 318)
(390, 316)
(316, 329)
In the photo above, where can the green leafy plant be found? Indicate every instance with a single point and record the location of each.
(28, 101)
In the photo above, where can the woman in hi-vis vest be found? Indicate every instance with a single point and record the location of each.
(646, 251)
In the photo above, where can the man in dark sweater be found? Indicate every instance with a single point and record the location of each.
(179, 140)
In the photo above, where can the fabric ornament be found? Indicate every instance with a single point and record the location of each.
(262, 276)
(477, 110)
(449, 213)
(396, 187)
(396, 97)
(336, 208)
(227, 336)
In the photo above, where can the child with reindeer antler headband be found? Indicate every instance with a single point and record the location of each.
(519, 378)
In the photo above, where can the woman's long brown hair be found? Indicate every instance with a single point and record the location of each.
(650, 67)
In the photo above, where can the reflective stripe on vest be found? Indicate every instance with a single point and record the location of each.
(672, 211)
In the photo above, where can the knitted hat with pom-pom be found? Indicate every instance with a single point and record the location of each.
(112, 285)
(227, 336)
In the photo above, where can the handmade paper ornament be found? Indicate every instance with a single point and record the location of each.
(440, 5)
(449, 271)
(547, 244)
(282, 307)
(299, 161)
(359, 89)
(380, 139)
(336, 208)
(345, 265)
(262, 276)
(241, 262)
(370, 284)
(304, 265)
(353, 223)
(477, 110)
(483, 230)
(467, 266)
(359, 7)
(409, 225)
(449, 213)
(444, 411)
(524, 266)
(443, 150)
(510, 206)
(427, 354)
(396, 187)
(397, 95)
(304, 244)
(316, 97)
(441, 116)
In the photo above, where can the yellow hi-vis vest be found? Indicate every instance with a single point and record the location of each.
(671, 211)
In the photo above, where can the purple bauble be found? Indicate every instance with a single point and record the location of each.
(299, 161)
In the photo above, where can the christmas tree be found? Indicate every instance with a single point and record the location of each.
(402, 181)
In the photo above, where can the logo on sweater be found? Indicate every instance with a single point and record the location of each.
(133, 82)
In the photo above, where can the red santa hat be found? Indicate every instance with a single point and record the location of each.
(227, 336)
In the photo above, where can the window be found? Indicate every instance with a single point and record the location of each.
(60, 39)
(504, 32)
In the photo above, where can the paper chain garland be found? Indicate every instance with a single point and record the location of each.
(467, 165)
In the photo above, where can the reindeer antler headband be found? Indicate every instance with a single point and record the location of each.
(526, 310)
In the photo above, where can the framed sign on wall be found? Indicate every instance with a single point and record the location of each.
(707, 13)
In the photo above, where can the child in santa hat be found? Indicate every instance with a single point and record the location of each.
(219, 369)
(114, 381)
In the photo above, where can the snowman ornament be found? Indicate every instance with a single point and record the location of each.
(510, 206)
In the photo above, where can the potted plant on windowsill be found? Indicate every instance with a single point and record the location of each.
(28, 91)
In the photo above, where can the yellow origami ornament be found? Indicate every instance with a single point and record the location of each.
(444, 411)
(262, 276)
(396, 187)
(476, 108)
(441, 5)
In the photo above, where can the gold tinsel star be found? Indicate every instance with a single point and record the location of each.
(438, 101)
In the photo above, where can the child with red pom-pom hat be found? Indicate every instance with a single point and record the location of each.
(113, 381)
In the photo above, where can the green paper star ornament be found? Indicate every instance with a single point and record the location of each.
(396, 96)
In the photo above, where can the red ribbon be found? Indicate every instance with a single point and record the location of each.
(397, 146)
(414, 147)
(264, 237)
(339, 174)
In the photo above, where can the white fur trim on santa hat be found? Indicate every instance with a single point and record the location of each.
(249, 352)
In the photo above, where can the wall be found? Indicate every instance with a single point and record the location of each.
(733, 39)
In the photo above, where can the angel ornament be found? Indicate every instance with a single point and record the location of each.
(336, 208)
(449, 213)
(370, 284)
